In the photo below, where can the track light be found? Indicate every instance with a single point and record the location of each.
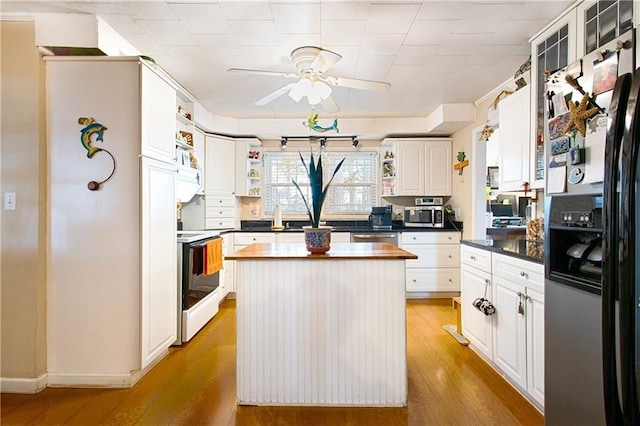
(323, 143)
(283, 143)
(354, 143)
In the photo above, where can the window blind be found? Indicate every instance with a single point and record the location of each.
(353, 190)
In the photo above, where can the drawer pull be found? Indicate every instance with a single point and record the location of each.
(524, 275)
(520, 307)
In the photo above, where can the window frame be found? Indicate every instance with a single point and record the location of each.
(340, 151)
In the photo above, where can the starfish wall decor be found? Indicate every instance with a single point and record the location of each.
(579, 114)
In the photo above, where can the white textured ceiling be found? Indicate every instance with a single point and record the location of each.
(432, 52)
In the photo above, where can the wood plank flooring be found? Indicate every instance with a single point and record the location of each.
(195, 385)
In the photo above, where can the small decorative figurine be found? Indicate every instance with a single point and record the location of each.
(312, 123)
(91, 128)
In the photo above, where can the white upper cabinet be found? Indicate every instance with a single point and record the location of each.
(158, 100)
(551, 50)
(420, 166)
(439, 167)
(513, 112)
(410, 158)
(600, 22)
(220, 153)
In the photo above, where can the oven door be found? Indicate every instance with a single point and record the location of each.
(195, 284)
(198, 291)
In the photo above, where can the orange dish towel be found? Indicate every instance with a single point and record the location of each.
(213, 262)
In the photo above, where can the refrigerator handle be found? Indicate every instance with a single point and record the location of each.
(615, 130)
(626, 255)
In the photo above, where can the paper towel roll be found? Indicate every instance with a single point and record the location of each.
(277, 216)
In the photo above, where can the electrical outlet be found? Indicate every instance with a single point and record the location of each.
(9, 200)
(456, 212)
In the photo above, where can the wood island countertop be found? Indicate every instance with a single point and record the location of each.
(359, 251)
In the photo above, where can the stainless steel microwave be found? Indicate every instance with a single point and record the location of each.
(424, 216)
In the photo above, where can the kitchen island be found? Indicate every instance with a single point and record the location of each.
(321, 329)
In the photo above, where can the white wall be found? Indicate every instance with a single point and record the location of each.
(23, 171)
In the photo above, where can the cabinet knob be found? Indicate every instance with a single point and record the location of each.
(450, 280)
(524, 275)
(473, 257)
(450, 257)
(220, 201)
(414, 280)
(487, 282)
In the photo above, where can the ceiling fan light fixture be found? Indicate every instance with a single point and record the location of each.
(300, 89)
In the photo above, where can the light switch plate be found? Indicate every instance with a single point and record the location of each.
(9, 200)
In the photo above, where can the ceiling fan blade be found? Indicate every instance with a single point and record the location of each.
(275, 95)
(329, 105)
(325, 60)
(262, 72)
(356, 83)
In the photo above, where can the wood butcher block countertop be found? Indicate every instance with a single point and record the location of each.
(359, 251)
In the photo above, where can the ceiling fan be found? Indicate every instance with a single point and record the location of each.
(312, 62)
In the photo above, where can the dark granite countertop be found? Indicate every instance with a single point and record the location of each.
(339, 226)
(524, 249)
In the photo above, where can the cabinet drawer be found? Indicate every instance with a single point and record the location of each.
(430, 238)
(518, 271)
(219, 212)
(220, 201)
(219, 223)
(340, 237)
(245, 239)
(439, 279)
(293, 237)
(478, 258)
(434, 256)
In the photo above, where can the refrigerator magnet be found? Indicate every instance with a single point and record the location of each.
(576, 175)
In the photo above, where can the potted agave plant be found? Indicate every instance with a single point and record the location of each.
(316, 237)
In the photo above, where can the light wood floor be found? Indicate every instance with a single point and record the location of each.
(195, 385)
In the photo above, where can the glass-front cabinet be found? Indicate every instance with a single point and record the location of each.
(551, 50)
(599, 22)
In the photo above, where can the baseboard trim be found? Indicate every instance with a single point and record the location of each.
(22, 385)
(71, 380)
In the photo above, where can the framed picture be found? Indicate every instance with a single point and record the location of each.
(493, 177)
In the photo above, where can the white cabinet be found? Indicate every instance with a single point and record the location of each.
(157, 103)
(535, 344)
(421, 166)
(518, 337)
(410, 163)
(509, 337)
(220, 164)
(159, 268)
(438, 167)
(227, 274)
(248, 167)
(513, 113)
(220, 202)
(437, 268)
(112, 296)
(552, 49)
(298, 237)
(220, 211)
(475, 282)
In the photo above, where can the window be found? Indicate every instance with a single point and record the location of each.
(352, 192)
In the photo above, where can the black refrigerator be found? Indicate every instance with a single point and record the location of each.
(592, 340)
